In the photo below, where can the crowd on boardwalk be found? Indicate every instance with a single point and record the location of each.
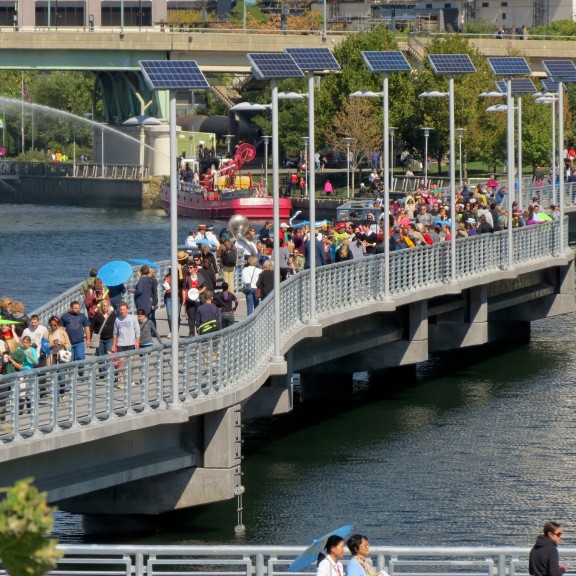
(214, 268)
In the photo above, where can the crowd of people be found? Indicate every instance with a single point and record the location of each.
(212, 265)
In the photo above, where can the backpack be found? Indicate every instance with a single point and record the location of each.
(228, 257)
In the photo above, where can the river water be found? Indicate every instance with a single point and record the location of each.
(481, 450)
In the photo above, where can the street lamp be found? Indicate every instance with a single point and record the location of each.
(392, 131)
(426, 131)
(460, 134)
(311, 61)
(274, 66)
(347, 141)
(181, 74)
(305, 139)
(451, 64)
(551, 99)
(384, 62)
(509, 67)
(266, 144)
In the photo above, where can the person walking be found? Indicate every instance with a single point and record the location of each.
(544, 558)
(77, 326)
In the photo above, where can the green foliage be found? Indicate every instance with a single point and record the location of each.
(468, 109)
(555, 28)
(479, 27)
(25, 521)
(336, 88)
(253, 13)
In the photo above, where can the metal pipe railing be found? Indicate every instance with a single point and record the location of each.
(139, 560)
(114, 386)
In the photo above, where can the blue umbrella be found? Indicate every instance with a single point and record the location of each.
(115, 273)
(310, 555)
(143, 261)
(307, 222)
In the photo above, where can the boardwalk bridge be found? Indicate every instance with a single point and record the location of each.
(107, 453)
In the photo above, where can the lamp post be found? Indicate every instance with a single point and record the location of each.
(347, 142)
(323, 60)
(551, 99)
(306, 139)
(266, 144)
(426, 131)
(460, 132)
(384, 62)
(392, 132)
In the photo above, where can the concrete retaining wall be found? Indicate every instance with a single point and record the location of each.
(86, 192)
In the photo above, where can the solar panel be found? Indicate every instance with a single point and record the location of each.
(550, 85)
(271, 65)
(560, 69)
(519, 86)
(509, 66)
(312, 59)
(386, 61)
(451, 63)
(173, 75)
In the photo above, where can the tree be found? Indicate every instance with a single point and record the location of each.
(25, 521)
(469, 108)
(355, 121)
(336, 88)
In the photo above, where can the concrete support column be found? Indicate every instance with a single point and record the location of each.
(275, 397)
(220, 429)
(315, 387)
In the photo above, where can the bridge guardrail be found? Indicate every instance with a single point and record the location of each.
(52, 399)
(231, 560)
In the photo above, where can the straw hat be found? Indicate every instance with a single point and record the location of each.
(182, 256)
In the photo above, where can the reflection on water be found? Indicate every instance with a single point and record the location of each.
(480, 450)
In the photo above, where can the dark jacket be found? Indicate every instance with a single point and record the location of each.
(104, 327)
(544, 558)
(319, 251)
(143, 294)
(266, 282)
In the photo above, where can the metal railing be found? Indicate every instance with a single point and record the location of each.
(70, 169)
(32, 403)
(271, 560)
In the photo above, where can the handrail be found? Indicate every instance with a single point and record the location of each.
(234, 358)
(162, 560)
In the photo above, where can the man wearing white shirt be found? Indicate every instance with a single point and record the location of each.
(211, 237)
(36, 332)
(191, 242)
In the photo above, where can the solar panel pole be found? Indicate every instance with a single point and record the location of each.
(386, 162)
(312, 191)
(277, 357)
(175, 301)
(561, 170)
(510, 155)
(519, 151)
(452, 128)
